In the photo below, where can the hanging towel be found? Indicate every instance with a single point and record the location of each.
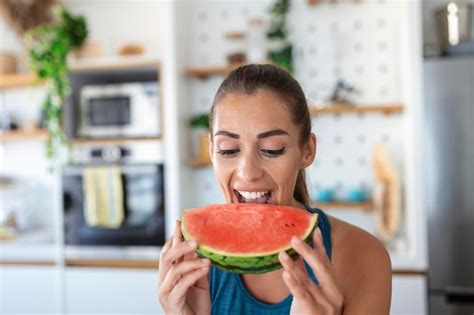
(103, 191)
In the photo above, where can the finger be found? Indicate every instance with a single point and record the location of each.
(298, 270)
(331, 288)
(177, 236)
(179, 270)
(176, 253)
(162, 268)
(319, 262)
(188, 280)
(319, 245)
(298, 291)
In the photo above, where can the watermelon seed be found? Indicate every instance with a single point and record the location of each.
(292, 224)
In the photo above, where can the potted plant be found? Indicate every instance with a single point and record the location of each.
(200, 136)
(48, 47)
(281, 53)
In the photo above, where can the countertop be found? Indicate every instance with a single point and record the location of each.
(39, 247)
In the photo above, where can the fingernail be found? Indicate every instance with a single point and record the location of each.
(284, 256)
(192, 244)
(296, 240)
(205, 268)
(206, 261)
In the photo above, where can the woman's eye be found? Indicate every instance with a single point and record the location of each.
(274, 153)
(228, 152)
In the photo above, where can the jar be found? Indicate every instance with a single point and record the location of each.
(236, 51)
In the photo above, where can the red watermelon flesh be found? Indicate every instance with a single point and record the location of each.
(255, 231)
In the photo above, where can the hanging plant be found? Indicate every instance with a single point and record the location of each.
(48, 48)
(282, 54)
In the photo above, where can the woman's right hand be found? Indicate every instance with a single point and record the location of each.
(183, 285)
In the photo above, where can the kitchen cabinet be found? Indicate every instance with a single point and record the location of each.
(118, 290)
(29, 290)
(409, 295)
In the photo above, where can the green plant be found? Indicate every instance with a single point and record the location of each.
(283, 55)
(48, 48)
(199, 121)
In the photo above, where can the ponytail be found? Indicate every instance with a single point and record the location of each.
(301, 190)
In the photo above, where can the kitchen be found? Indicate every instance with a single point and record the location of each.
(368, 53)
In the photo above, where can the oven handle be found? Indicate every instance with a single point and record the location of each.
(124, 169)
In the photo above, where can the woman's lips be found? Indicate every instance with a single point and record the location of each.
(256, 196)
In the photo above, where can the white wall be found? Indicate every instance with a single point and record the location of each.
(113, 23)
(374, 46)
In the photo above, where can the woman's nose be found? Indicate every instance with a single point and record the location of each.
(249, 168)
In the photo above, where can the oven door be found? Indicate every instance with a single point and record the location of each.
(143, 205)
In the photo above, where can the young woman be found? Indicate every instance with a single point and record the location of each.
(261, 142)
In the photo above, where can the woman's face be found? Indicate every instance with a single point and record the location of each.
(255, 149)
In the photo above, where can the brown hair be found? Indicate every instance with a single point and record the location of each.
(251, 78)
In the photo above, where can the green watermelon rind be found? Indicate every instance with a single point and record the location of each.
(250, 263)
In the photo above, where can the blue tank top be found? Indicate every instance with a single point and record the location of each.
(229, 295)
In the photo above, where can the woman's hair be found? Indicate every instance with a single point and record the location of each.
(251, 78)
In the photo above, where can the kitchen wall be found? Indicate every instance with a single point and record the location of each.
(368, 46)
(113, 23)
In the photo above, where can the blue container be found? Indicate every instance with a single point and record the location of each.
(324, 195)
(356, 195)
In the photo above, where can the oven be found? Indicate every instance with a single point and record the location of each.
(141, 174)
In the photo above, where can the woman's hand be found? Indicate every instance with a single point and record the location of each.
(183, 285)
(309, 298)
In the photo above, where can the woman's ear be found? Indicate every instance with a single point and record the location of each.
(309, 151)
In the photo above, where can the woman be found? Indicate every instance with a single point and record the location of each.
(260, 144)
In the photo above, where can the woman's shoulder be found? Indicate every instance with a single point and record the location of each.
(348, 236)
(361, 262)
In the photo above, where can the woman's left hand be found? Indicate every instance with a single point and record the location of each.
(309, 298)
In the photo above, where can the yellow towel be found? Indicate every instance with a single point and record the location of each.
(103, 190)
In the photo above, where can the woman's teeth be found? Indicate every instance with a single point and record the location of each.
(254, 196)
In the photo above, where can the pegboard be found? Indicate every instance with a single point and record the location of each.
(355, 42)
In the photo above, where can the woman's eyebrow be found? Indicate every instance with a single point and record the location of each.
(274, 132)
(227, 134)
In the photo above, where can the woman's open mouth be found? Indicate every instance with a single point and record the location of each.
(264, 196)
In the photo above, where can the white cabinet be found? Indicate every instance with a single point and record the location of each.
(409, 295)
(29, 290)
(111, 291)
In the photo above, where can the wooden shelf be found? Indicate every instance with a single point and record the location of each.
(112, 140)
(112, 263)
(205, 72)
(199, 162)
(95, 64)
(27, 263)
(23, 135)
(386, 109)
(17, 80)
(363, 205)
(113, 63)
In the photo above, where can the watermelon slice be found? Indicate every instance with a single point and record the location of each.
(246, 238)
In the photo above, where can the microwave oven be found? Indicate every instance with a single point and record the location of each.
(130, 109)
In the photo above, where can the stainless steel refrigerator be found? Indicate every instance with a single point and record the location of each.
(449, 176)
